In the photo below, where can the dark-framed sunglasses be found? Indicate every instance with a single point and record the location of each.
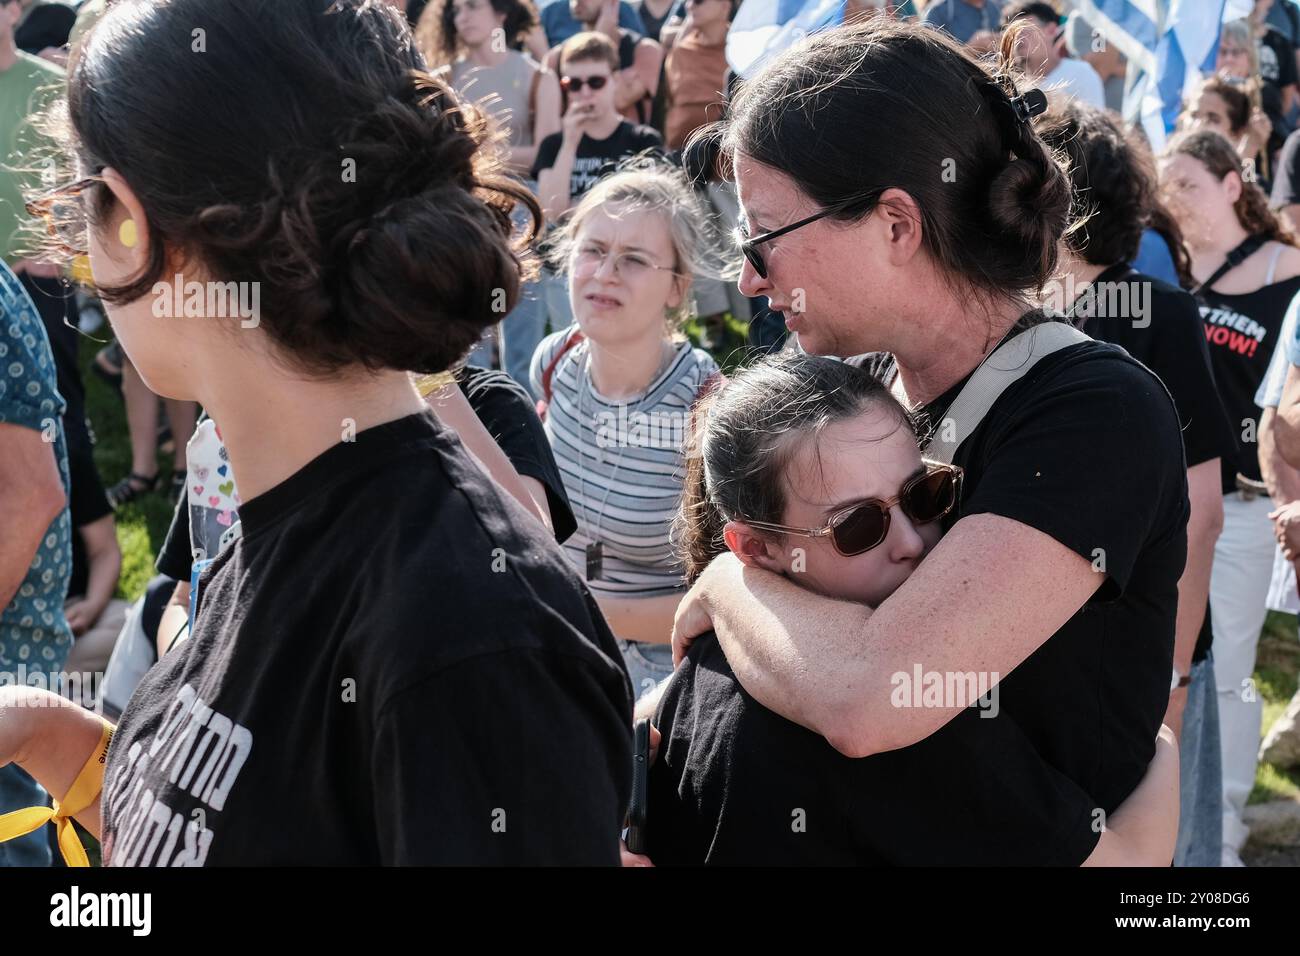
(860, 527)
(64, 212)
(749, 245)
(574, 84)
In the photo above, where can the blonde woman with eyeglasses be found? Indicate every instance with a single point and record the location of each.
(618, 388)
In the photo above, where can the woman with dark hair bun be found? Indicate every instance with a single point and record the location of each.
(387, 626)
(1160, 326)
(896, 200)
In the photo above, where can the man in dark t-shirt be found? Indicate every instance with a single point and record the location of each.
(594, 136)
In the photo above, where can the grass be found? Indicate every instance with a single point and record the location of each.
(142, 526)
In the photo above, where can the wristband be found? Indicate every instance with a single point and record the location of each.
(84, 791)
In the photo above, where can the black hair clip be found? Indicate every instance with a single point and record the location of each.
(1029, 104)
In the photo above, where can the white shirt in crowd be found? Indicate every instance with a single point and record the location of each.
(1078, 79)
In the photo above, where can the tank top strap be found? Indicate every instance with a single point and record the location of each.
(1272, 264)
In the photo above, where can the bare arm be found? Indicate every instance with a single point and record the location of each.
(1291, 215)
(647, 619)
(1286, 421)
(31, 497)
(173, 626)
(454, 411)
(641, 79)
(535, 43)
(1144, 828)
(827, 664)
(1282, 479)
(51, 738)
(105, 560)
(553, 183)
(1204, 489)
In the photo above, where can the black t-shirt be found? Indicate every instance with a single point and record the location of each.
(1169, 339)
(1160, 326)
(1242, 332)
(596, 158)
(88, 503)
(510, 417)
(1277, 69)
(734, 783)
(1086, 449)
(393, 665)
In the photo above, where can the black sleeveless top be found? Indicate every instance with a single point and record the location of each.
(1241, 332)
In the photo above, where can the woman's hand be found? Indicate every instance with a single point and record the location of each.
(693, 617)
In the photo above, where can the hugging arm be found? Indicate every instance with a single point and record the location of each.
(1007, 576)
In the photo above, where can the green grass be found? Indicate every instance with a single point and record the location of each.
(141, 525)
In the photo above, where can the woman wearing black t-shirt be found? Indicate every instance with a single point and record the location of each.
(1160, 326)
(369, 661)
(897, 200)
(791, 446)
(1248, 267)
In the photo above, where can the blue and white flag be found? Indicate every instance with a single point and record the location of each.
(764, 28)
(1169, 45)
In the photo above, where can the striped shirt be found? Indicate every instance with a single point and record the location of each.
(622, 463)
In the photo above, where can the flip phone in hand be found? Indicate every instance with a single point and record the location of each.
(636, 813)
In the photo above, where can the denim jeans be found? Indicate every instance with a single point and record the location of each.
(648, 665)
(18, 791)
(1200, 779)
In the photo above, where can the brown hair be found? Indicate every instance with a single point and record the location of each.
(746, 434)
(435, 32)
(1234, 95)
(851, 112)
(582, 47)
(401, 265)
(1216, 154)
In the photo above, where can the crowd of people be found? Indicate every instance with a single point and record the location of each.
(467, 492)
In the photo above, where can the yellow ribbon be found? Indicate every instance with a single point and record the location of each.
(83, 792)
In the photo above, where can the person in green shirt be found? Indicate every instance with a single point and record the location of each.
(27, 85)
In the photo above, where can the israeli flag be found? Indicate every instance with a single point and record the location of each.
(1169, 45)
(764, 28)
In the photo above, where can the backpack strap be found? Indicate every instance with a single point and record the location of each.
(548, 373)
(1009, 363)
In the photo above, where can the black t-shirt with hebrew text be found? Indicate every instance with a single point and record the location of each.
(394, 664)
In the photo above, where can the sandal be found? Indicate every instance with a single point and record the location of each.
(130, 488)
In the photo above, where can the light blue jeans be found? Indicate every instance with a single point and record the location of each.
(647, 665)
(1200, 783)
(18, 791)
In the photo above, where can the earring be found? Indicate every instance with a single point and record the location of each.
(128, 234)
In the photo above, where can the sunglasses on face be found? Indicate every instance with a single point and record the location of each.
(749, 245)
(574, 84)
(856, 530)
